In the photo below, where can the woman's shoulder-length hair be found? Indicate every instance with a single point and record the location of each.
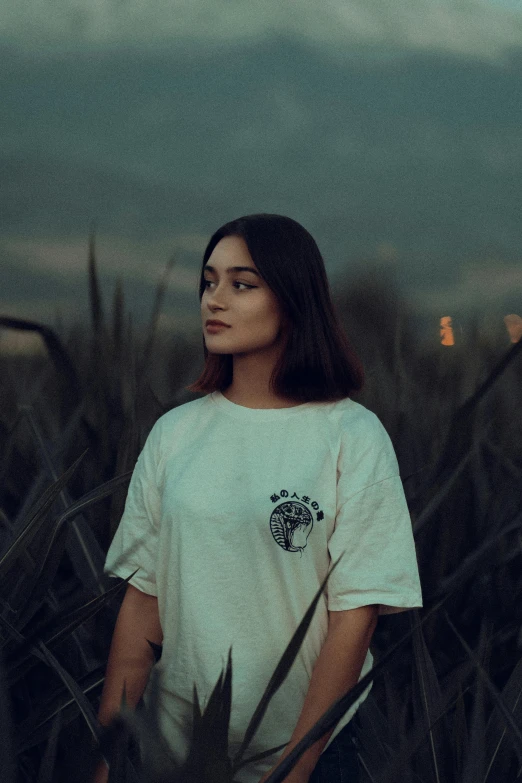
(318, 362)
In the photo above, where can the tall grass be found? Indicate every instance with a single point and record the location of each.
(446, 702)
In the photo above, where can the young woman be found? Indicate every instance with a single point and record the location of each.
(243, 498)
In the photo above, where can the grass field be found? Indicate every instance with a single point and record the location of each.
(446, 702)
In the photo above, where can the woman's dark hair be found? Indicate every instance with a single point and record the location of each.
(318, 363)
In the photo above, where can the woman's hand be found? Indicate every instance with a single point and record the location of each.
(294, 776)
(101, 774)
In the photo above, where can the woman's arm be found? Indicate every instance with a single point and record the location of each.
(336, 670)
(130, 657)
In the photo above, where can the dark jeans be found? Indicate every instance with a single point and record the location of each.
(339, 762)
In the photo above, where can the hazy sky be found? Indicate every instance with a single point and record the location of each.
(388, 129)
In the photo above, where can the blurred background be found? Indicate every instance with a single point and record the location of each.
(391, 131)
(130, 131)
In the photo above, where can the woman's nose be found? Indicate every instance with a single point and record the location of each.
(216, 296)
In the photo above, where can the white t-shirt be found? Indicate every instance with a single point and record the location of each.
(239, 514)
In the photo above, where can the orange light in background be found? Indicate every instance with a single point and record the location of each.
(514, 326)
(446, 331)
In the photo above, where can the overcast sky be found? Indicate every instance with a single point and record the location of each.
(389, 130)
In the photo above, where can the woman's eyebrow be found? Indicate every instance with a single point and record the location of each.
(208, 268)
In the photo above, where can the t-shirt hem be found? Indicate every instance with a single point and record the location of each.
(144, 585)
(386, 606)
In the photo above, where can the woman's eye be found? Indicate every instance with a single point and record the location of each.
(236, 282)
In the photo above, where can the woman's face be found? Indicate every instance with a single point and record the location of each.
(241, 299)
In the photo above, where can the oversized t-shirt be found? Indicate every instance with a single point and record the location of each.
(236, 515)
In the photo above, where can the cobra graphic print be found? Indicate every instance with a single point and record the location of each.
(291, 521)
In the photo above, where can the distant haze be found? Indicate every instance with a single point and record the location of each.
(391, 131)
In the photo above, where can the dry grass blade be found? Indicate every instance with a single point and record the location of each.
(504, 460)
(5, 522)
(496, 730)
(128, 449)
(55, 349)
(76, 692)
(95, 296)
(36, 728)
(61, 625)
(473, 767)
(443, 491)
(15, 634)
(210, 734)
(48, 544)
(340, 707)
(153, 324)
(460, 731)
(46, 771)
(82, 546)
(8, 443)
(373, 737)
(118, 312)
(94, 496)
(514, 730)
(37, 518)
(412, 741)
(38, 580)
(470, 562)
(44, 451)
(281, 671)
(78, 695)
(36, 489)
(120, 767)
(461, 430)
(427, 702)
(7, 753)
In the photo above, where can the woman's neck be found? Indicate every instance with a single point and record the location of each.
(255, 400)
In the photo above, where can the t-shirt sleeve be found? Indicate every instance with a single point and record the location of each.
(372, 527)
(135, 543)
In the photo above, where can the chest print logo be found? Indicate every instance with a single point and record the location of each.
(292, 522)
